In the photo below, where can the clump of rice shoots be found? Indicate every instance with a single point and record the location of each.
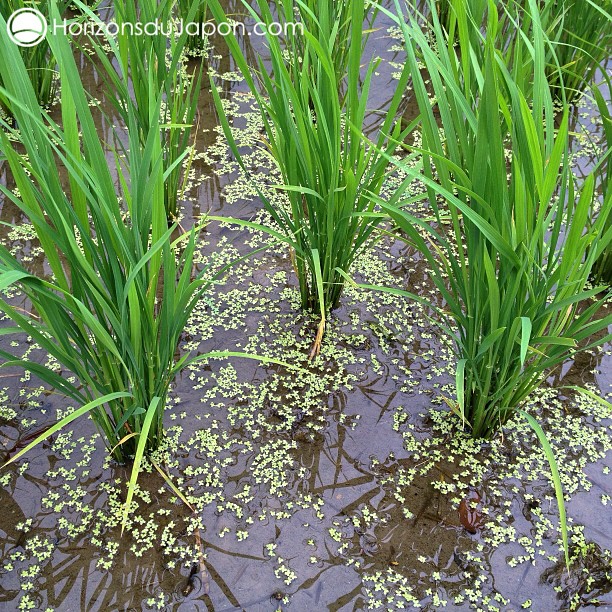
(513, 263)
(38, 59)
(145, 66)
(602, 271)
(581, 36)
(313, 103)
(509, 245)
(121, 288)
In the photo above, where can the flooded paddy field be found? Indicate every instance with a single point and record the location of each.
(345, 486)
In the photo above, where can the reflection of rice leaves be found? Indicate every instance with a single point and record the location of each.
(313, 130)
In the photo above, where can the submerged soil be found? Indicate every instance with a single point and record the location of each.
(347, 486)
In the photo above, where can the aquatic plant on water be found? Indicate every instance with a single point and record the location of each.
(313, 132)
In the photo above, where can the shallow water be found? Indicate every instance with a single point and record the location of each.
(341, 489)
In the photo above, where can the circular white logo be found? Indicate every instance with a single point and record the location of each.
(27, 27)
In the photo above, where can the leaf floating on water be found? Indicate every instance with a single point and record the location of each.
(470, 513)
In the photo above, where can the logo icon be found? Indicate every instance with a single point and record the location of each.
(27, 27)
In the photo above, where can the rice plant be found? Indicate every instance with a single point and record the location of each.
(340, 14)
(158, 57)
(195, 45)
(603, 268)
(581, 31)
(121, 290)
(513, 263)
(511, 249)
(578, 32)
(313, 132)
(578, 42)
(38, 59)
